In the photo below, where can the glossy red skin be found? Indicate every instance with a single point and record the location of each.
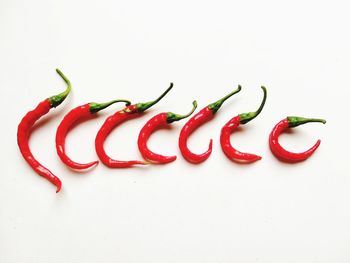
(77, 114)
(128, 113)
(203, 116)
(283, 154)
(23, 134)
(227, 147)
(157, 122)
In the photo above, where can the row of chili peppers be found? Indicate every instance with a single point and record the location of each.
(160, 120)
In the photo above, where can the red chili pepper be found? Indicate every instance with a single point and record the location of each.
(279, 151)
(206, 114)
(80, 113)
(130, 112)
(159, 121)
(24, 129)
(230, 126)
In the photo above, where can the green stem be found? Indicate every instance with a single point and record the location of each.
(217, 104)
(59, 98)
(246, 117)
(171, 117)
(146, 105)
(294, 121)
(95, 107)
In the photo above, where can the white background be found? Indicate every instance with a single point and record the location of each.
(217, 211)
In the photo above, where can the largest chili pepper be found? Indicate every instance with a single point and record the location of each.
(24, 129)
(80, 113)
(159, 121)
(279, 151)
(233, 124)
(206, 114)
(130, 112)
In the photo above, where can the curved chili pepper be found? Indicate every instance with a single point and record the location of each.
(80, 113)
(279, 151)
(129, 112)
(24, 129)
(206, 114)
(230, 126)
(159, 121)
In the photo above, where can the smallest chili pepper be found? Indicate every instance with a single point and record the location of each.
(159, 121)
(80, 113)
(233, 124)
(279, 151)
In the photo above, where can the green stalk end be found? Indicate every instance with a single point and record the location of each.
(96, 107)
(294, 121)
(171, 117)
(216, 105)
(246, 117)
(146, 105)
(59, 98)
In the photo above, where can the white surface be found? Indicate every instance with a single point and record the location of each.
(214, 212)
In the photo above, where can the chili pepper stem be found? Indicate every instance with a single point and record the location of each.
(246, 117)
(95, 107)
(215, 106)
(59, 98)
(294, 121)
(146, 105)
(171, 117)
